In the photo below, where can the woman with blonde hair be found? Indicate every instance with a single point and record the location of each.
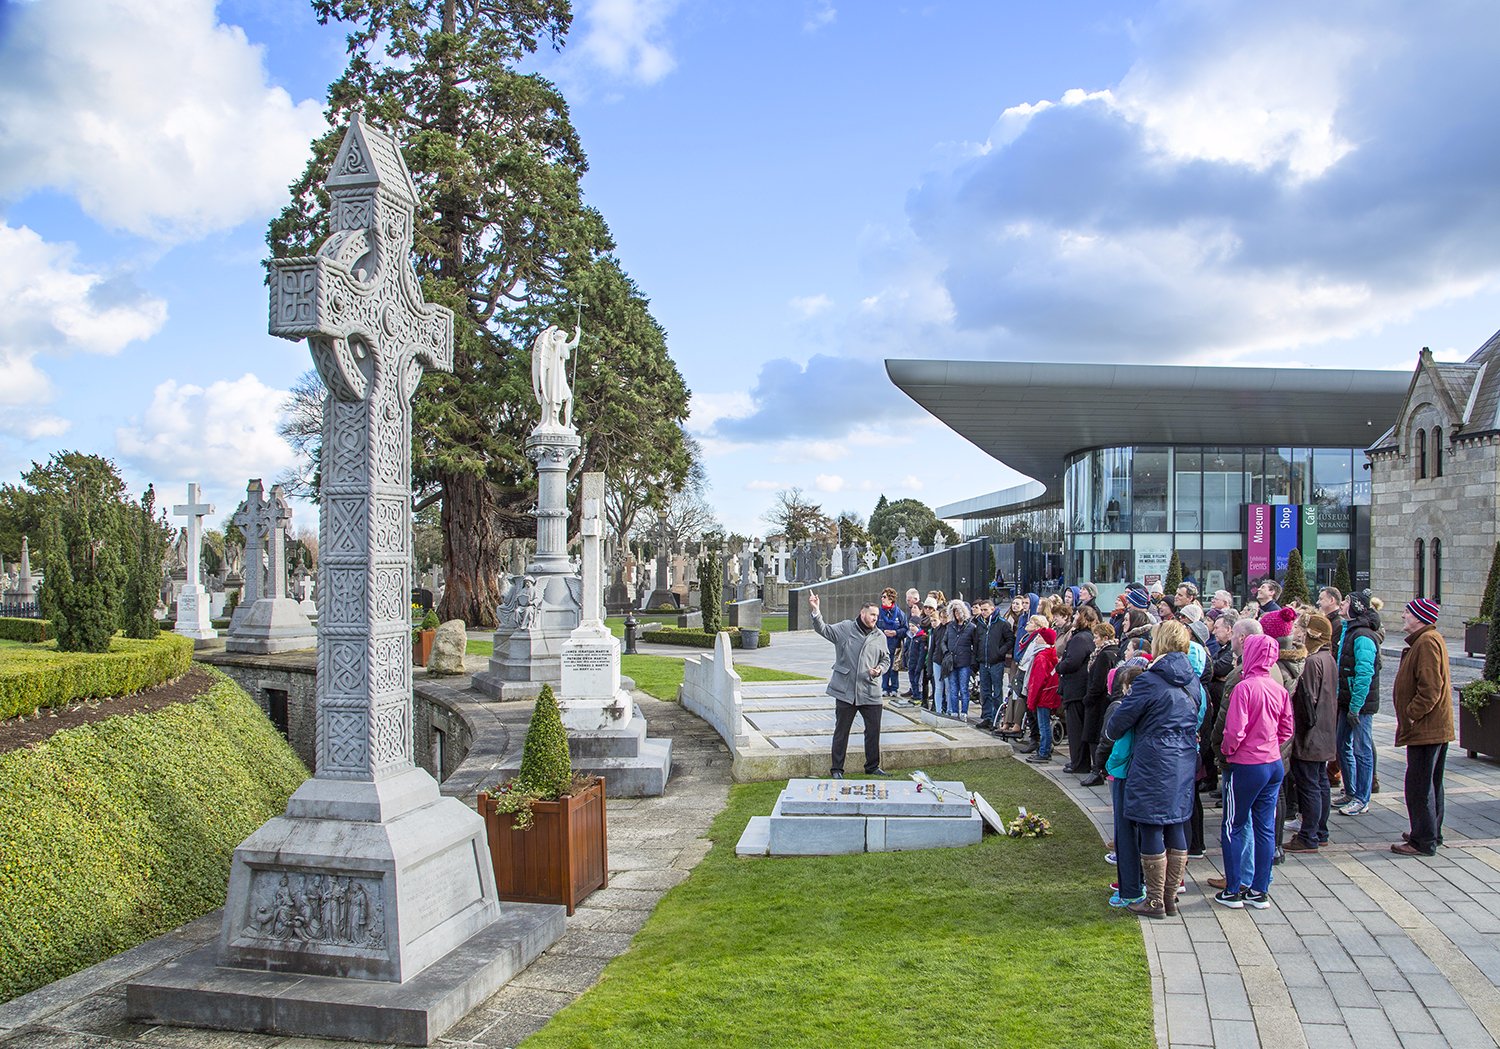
(1162, 710)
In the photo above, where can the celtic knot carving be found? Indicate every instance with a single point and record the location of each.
(345, 740)
(390, 734)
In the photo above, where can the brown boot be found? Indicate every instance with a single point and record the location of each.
(1176, 865)
(1154, 880)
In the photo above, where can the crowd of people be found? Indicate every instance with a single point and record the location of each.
(1261, 710)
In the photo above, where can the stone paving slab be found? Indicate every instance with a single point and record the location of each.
(1360, 948)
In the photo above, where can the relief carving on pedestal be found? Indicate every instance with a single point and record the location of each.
(346, 910)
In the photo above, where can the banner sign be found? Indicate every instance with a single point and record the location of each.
(1258, 540)
(1151, 566)
(1310, 542)
(1286, 534)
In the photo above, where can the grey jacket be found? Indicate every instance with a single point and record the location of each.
(855, 654)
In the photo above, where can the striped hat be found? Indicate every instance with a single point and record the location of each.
(1425, 610)
(1138, 598)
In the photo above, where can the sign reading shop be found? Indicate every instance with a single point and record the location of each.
(1273, 531)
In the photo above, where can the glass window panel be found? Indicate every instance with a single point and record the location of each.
(1223, 489)
(1333, 489)
(1148, 479)
(1299, 460)
(1188, 484)
(1278, 476)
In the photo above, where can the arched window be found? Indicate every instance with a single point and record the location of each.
(1421, 455)
(1437, 454)
(1420, 563)
(1437, 570)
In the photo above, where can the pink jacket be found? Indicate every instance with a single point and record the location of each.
(1260, 711)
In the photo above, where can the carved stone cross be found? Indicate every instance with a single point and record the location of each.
(263, 523)
(194, 510)
(360, 307)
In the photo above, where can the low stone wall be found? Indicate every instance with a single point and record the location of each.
(285, 687)
(711, 689)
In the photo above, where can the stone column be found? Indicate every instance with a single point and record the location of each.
(194, 617)
(591, 695)
(370, 822)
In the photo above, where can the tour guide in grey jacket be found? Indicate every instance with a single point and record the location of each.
(860, 656)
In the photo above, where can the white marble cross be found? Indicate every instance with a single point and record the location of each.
(591, 528)
(195, 511)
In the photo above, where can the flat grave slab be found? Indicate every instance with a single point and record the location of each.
(875, 797)
(827, 817)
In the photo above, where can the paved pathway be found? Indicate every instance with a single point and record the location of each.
(1360, 948)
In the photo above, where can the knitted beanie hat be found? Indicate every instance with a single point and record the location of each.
(1278, 624)
(1138, 598)
(1425, 610)
(1191, 613)
(1319, 632)
(1359, 603)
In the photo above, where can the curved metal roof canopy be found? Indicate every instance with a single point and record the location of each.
(1031, 417)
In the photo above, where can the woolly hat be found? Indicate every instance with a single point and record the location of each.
(1425, 610)
(1319, 631)
(1359, 603)
(1213, 614)
(1190, 612)
(1048, 635)
(1278, 624)
(1138, 598)
(1199, 630)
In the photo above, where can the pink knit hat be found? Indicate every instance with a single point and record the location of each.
(1278, 624)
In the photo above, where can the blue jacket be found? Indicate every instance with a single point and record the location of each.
(1162, 710)
(892, 619)
(1022, 637)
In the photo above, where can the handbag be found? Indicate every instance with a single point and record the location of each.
(898, 659)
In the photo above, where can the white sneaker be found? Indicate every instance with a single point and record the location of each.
(1293, 826)
(1355, 808)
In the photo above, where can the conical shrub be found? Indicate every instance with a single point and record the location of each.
(546, 768)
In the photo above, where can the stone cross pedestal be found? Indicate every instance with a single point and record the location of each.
(371, 878)
(272, 622)
(194, 616)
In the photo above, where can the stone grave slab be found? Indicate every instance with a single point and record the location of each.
(827, 817)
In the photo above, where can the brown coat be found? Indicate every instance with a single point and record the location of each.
(1424, 691)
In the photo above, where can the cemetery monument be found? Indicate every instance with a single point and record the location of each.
(271, 621)
(194, 615)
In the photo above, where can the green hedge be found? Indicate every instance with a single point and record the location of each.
(45, 677)
(116, 832)
(13, 628)
(695, 637)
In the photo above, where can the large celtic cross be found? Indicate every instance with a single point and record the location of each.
(360, 307)
(261, 521)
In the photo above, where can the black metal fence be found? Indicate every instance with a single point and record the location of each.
(959, 571)
(21, 610)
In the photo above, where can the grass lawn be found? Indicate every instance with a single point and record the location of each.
(1009, 942)
(659, 676)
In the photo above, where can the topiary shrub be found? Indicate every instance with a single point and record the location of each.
(1341, 580)
(711, 582)
(1492, 651)
(1294, 583)
(15, 628)
(45, 677)
(546, 767)
(1491, 587)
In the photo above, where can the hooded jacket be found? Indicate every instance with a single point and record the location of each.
(1041, 679)
(961, 638)
(1161, 712)
(1259, 720)
(1315, 708)
(995, 639)
(1019, 626)
(1359, 662)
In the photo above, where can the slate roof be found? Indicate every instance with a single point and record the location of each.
(1486, 412)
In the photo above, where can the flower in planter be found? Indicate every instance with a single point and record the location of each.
(1029, 825)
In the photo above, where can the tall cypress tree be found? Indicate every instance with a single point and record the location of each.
(1341, 580)
(1294, 582)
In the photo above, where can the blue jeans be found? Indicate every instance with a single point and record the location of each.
(1357, 756)
(957, 683)
(991, 689)
(1127, 849)
(1250, 808)
(890, 681)
(1044, 732)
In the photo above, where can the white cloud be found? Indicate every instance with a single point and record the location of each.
(52, 307)
(157, 118)
(705, 409)
(627, 38)
(830, 483)
(820, 14)
(811, 305)
(218, 436)
(765, 486)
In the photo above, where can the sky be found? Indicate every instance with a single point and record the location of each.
(802, 188)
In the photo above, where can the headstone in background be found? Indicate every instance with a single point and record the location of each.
(274, 622)
(836, 561)
(194, 612)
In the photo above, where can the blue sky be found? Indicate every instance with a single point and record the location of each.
(802, 188)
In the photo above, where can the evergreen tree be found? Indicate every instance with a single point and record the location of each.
(82, 537)
(1491, 585)
(711, 591)
(1492, 651)
(546, 767)
(1294, 583)
(146, 536)
(1174, 576)
(1341, 580)
(504, 239)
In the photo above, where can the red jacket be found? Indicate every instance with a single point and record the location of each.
(1042, 681)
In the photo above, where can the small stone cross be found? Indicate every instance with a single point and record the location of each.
(195, 511)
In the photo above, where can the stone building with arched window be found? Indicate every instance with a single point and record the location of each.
(1435, 487)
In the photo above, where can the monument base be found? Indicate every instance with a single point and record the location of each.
(524, 660)
(365, 880)
(657, 598)
(193, 992)
(830, 817)
(194, 615)
(632, 765)
(273, 624)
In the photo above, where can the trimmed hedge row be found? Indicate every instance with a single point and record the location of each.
(695, 637)
(115, 832)
(45, 677)
(14, 628)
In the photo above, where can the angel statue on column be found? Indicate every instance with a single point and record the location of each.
(549, 376)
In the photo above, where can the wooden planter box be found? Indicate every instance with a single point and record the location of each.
(561, 859)
(1478, 736)
(1477, 639)
(421, 651)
